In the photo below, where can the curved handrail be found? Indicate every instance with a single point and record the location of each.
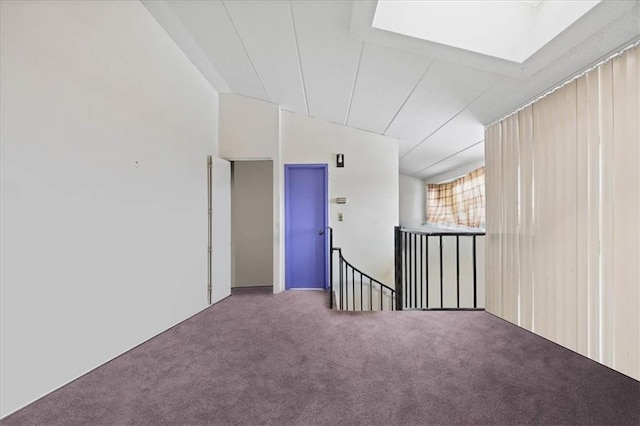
(346, 291)
(339, 250)
(391, 293)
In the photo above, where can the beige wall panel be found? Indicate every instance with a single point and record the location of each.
(582, 187)
(582, 200)
(626, 213)
(553, 208)
(606, 211)
(525, 234)
(593, 216)
(492, 258)
(544, 230)
(252, 223)
(567, 283)
(509, 192)
(587, 218)
(563, 215)
(493, 160)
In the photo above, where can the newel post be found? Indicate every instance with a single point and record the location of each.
(330, 268)
(398, 266)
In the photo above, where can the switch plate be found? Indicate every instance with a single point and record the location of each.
(340, 217)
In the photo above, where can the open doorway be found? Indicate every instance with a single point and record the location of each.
(252, 224)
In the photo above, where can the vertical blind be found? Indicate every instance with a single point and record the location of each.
(563, 215)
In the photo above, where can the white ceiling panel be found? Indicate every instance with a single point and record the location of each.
(511, 93)
(267, 31)
(404, 146)
(460, 133)
(211, 28)
(444, 91)
(323, 58)
(473, 155)
(592, 23)
(385, 79)
(329, 56)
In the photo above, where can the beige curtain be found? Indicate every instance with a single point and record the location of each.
(459, 202)
(563, 215)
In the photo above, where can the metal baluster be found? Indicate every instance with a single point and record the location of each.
(330, 268)
(409, 272)
(411, 282)
(415, 270)
(458, 271)
(441, 276)
(406, 277)
(353, 288)
(397, 267)
(427, 269)
(361, 306)
(346, 285)
(475, 297)
(341, 282)
(345, 289)
(210, 228)
(370, 294)
(421, 262)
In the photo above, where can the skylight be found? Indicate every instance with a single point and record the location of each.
(511, 30)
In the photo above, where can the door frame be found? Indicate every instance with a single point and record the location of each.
(287, 203)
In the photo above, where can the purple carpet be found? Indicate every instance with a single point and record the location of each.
(256, 358)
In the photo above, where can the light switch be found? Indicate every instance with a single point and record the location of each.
(340, 217)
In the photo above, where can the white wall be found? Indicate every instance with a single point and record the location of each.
(369, 180)
(106, 126)
(252, 223)
(411, 198)
(221, 229)
(250, 130)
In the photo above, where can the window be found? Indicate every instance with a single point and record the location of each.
(460, 202)
(511, 30)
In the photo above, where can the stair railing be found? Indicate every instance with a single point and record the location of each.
(355, 289)
(433, 271)
(420, 260)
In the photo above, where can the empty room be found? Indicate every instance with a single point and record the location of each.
(298, 212)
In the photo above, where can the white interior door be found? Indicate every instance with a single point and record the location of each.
(221, 229)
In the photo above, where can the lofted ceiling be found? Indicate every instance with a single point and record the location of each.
(324, 59)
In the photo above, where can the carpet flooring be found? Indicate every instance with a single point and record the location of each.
(258, 358)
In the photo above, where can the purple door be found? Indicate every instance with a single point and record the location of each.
(306, 203)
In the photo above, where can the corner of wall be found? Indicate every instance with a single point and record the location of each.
(278, 214)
